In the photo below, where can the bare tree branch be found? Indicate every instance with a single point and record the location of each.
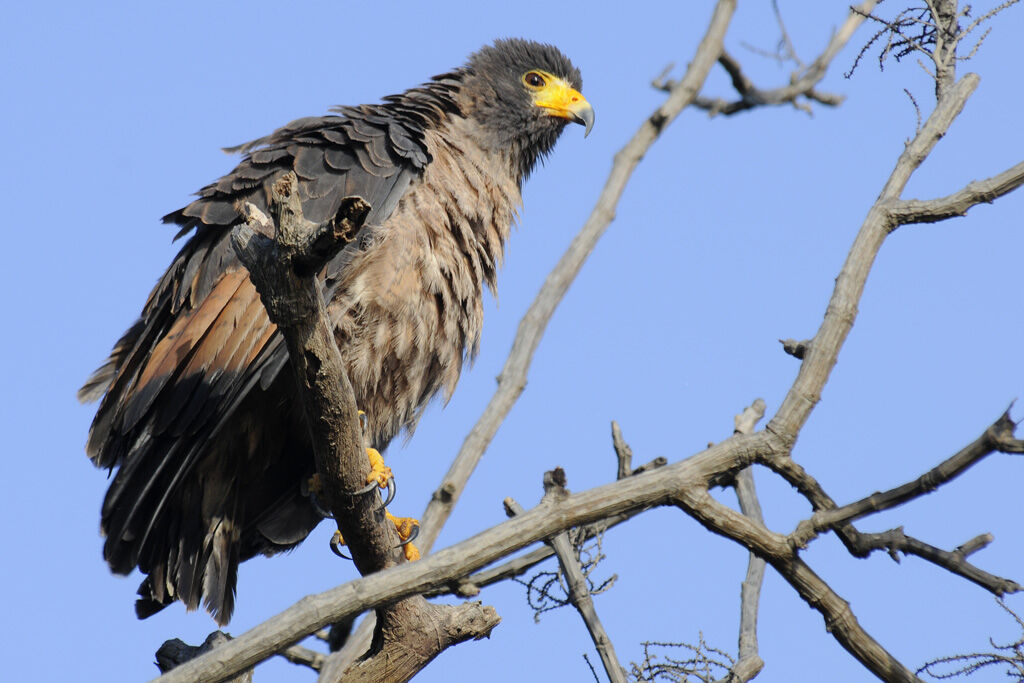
(470, 586)
(692, 476)
(275, 252)
(896, 541)
(750, 662)
(823, 350)
(579, 594)
(802, 82)
(839, 618)
(623, 453)
(998, 437)
(957, 204)
(434, 571)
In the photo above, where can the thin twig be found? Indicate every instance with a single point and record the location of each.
(998, 437)
(957, 204)
(802, 83)
(623, 453)
(579, 594)
(750, 662)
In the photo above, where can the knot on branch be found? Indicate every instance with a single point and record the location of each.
(1001, 435)
(175, 652)
(264, 243)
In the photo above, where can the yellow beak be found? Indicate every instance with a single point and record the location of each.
(562, 100)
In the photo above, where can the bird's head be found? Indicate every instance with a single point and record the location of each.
(521, 94)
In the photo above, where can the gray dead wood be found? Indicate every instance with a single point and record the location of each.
(997, 438)
(297, 654)
(840, 620)
(802, 84)
(437, 570)
(749, 663)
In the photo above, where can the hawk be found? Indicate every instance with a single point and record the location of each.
(206, 438)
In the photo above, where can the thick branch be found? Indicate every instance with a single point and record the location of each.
(434, 571)
(957, 204)
(283, 270)
(823, 351)
(412, 629)
(294, 303)
(470, 586)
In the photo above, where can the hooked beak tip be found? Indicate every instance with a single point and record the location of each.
(585, 117)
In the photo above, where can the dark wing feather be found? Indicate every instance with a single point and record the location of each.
(190, 388)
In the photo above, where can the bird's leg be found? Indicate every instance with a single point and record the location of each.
(381, 476)
(407, 528)
(379, 472)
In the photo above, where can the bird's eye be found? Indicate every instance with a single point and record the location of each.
(533, 79)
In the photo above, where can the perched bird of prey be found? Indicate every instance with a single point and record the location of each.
(204, 430)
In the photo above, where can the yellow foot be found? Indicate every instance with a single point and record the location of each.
(379, 472)
(407, 528)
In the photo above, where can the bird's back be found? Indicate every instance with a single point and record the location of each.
(197, 416)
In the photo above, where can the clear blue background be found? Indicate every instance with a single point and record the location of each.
(727, 239)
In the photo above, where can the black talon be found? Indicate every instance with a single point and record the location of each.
(366, 489)
(412, 536)
(336, 548)
(392, 489)
(316, 506)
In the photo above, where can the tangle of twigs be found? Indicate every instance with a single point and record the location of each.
(1011, 656)
(704, 663)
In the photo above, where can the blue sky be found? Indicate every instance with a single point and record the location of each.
(727, 239)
